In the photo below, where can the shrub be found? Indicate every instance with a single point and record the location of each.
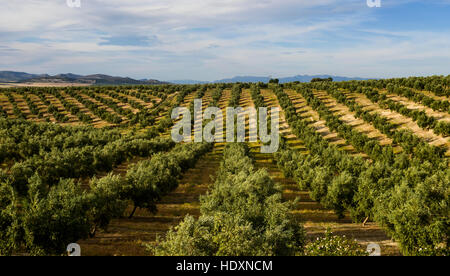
(332, 245)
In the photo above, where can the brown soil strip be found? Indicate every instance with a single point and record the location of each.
(73, 120)
(105, 107)
(119, 103)
(96, 121)
(141, 102)
(403, 122)
(23, 106)
(42, 108)
(349, 118)
(307, 112)
(6, 105)
(432, 95)
(440, 116)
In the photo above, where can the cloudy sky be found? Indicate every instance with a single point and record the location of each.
(214, 39)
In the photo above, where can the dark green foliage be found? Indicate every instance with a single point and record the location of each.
(105, 201)
(408, 196)
(275, 81)
(235, 96)
(243, 215)
(41, 210)
(148, 181)
(55, 218)
(322, 80)
(216, 95)
(9, 233)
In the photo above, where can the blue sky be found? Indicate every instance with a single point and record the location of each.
(215, 39)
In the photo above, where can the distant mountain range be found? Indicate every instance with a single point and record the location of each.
(98, 79)
(300, 78)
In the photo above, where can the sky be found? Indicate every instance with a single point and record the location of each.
(216, 39)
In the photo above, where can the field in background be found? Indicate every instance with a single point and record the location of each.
(119, 107)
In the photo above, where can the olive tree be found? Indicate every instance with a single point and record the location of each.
(105, 201)
(52, 220)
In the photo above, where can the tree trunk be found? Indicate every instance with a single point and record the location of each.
(132, 213)
(365, 221)
(93, 232)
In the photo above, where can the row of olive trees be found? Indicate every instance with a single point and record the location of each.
(124, 112)
(439, 85)
(16, 110)
(72, 108)
(437, 105)
(83, 161)
(393, 86)
(34, 109)
(3, 112)
(257, 98)
(410, 142)
(144, 95)
(422, 119)
(121, 97)
(20, 139)
(144, 117)
(52, 109)
(96, 109)
(235, 95)
(242, 215)
(199, 95)
(406, 196)
(47, 218)
(359, 140)
(148, 181)
(216, 96)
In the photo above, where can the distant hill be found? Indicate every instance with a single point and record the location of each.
(10, 76)
(300, 78)
(98, 79)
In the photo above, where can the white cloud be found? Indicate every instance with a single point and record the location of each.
(211, 39)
